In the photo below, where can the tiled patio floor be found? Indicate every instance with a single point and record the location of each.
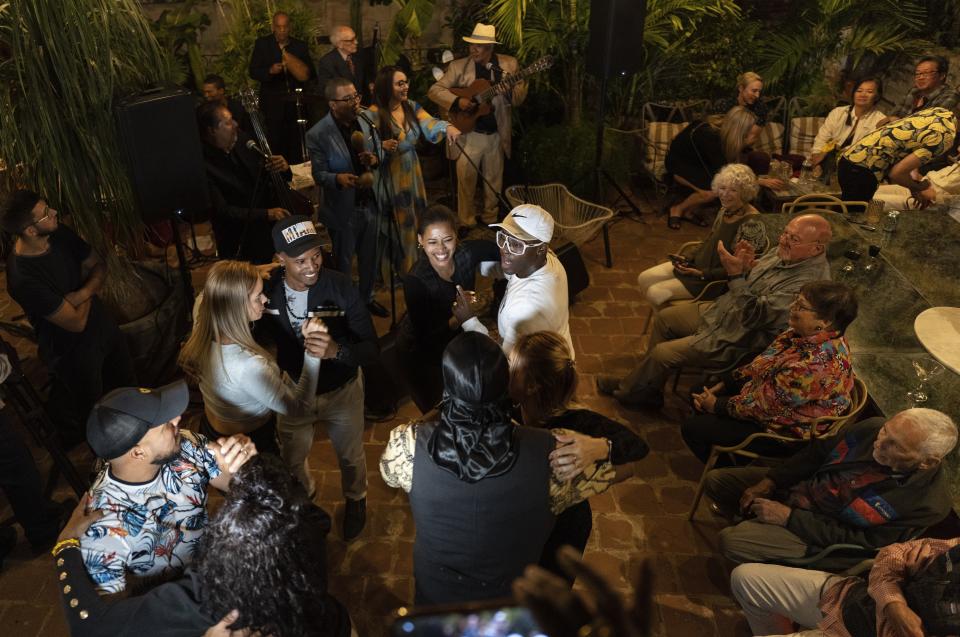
(643, 518)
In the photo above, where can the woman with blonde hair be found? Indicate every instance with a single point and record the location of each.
(242, 386)
(684, 278)
(698, 153)
(749, 87)
(543, 382)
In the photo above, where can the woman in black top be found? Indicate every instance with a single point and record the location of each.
(262, 567)
(543, 381)
(429, 289)
(698, 152)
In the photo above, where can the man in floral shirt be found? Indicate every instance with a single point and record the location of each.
(153, 491)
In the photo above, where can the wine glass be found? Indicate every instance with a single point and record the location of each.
(874, 252)
(926, 371)
(852, 257)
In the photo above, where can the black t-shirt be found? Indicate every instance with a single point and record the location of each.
(39, 283)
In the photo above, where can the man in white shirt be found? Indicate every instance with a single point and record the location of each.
(536, 296)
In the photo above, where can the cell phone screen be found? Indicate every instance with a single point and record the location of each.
(507, 621)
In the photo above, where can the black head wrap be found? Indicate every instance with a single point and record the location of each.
(474, 438)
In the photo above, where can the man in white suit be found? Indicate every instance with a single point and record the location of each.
(489, 141)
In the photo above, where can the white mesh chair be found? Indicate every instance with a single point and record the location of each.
(577, 220)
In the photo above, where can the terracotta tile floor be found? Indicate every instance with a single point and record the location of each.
(643, 518)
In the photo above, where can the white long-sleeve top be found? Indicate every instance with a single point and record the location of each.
(246, 387)
(835, 128)
(534, 304)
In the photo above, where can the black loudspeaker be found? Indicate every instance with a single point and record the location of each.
(616, 32)
(161, 144)
(578, 279)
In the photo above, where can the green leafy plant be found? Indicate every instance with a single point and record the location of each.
(251, 19)
(561, 28)
(409, 23)
(178, 31)
(66, 66)
(834, 30)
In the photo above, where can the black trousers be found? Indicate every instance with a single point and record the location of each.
(701, 431)
(83, 376)
(573, 527)
(20, 482)
(856, 182)
(358, 236)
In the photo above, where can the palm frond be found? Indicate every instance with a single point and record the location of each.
(507, 16)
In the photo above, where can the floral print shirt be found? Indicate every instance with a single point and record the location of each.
(795, 380)
(926, 134)
(152, 528)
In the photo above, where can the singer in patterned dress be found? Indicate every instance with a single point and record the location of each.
(400, 123)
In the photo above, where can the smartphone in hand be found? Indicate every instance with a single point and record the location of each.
(679, 260)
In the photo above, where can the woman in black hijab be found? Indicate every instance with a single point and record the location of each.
(481, 488)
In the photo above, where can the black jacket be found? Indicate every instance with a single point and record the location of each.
(908, 503)
(266, 53)
(333, 65)
(353, 331)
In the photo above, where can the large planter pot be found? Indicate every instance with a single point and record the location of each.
(154, 339)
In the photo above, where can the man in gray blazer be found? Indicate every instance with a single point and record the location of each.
(349, 210)
(489, 141)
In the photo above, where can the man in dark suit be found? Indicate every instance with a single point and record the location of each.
(349, 209)
(281, 64)
(343, 61)
(245, 205)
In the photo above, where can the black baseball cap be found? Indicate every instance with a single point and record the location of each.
(124, 416)
(295, 235)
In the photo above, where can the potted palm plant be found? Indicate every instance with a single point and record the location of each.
(63, 67)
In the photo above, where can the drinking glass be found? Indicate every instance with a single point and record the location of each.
(926, 370)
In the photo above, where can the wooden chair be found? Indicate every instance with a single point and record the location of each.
(833, 424)
(820, 201)
(577, 220)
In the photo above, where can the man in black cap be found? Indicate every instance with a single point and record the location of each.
(153, 489)
(299, 289)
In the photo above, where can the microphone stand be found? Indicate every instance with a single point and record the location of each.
(393, 227)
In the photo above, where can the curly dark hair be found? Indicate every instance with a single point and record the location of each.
(264, 554)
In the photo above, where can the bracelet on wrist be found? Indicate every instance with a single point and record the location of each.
(62, 545)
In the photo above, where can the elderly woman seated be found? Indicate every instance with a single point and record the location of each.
(483, 495)
(738, 220)
(803, 375)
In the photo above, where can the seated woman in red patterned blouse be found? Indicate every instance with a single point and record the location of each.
(804, 374)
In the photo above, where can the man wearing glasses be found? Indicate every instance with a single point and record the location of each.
(55, 277)
(348, 210)
(929, 89)
(342, 61)
(536, 296)
(740, 323)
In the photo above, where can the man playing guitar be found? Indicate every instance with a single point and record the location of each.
(490, 139)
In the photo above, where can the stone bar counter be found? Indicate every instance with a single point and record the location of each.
(917, 268)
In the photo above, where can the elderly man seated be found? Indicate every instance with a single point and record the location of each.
(911, 591)
(874, 484)
(743, 321)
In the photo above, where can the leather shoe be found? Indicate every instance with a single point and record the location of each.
(354, 518)
(608, 385)
(378, 310)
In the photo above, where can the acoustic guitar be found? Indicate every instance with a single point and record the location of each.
(482, 92)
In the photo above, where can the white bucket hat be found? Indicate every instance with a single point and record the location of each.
(482, 34)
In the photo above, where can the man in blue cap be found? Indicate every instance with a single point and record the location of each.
(153, 488)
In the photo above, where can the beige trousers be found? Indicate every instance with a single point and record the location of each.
(486, 153)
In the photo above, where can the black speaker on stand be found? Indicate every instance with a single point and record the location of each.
(160, 141)
(615, 27)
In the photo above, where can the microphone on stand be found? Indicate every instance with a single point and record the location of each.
(252, 145)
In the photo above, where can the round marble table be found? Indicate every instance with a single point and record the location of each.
(938, 330)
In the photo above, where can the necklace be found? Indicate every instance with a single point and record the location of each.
(286, 299)
(733, 213)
